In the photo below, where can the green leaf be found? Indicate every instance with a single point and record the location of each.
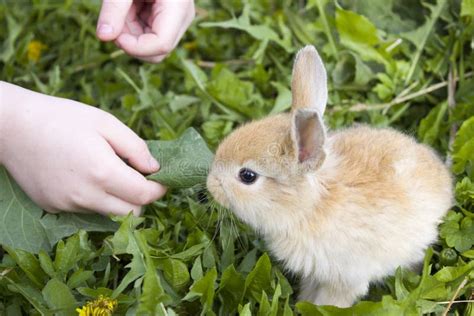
(231, 288)
(223, 81)
(245, 311)
(175, 272)
(204, 289)
(184, 162)
(259, 279)
(467, 8)
(61, 225)
(260, 32)
(430, 126)
(382, 14)
(67, 255)
(33, 295)
(196, 270)
(419, 37)
(152, 291)
(463, 147)
(59, 298)
(22, 225)
(46, 263)
(124, 241)
(448, 274)
(458, 233)
(359, 34)
(283, 100)
(468, 254)
(264, 305)
(29, 264)
(78, 277)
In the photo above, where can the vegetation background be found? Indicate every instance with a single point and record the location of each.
(406, 64)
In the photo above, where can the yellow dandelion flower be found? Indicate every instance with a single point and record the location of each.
(103, 306)
(34, 50)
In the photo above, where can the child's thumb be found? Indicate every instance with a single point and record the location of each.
(112, 18)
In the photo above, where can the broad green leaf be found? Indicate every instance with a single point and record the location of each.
(400, 290)
(259, 279)
(382, 14)
(67, 254)
(196, 270)
(23, 227)
(264, 305)
(448, 274)
(14, 30)
(351, 72)
(124, 241)
(59, 298)
(283, 100)
(46, 263)
(20, 226)
(463, 147)
(58, 226)
(33, 295)
(468, 254)
(78, 277)
(286, 289)
(245, 311)
(152, 291)
(465, 191)
(29, 264)
(241, 97)
(467, 8)
(430, 126)
(184, 162)
(260, 32)
(231, 288)
(275, 301)
(359, 34)
(458, 233)
(180, 102)
(189, 253)
(204, 289)
(175, 272)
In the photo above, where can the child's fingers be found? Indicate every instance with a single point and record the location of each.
(112, 18)
(128, 145)
(129, 185)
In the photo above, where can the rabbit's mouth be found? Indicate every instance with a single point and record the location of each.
(215, 187)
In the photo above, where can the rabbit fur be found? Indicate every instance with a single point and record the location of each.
(340, 209)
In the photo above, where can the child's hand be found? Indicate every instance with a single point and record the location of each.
(65, 155)
(148, 30)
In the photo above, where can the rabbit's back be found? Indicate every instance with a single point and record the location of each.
(385, 195)
(386, 164)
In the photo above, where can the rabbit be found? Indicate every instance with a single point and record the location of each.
(340, 209)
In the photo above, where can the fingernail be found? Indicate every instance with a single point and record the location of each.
(154, 165)
(105, 29)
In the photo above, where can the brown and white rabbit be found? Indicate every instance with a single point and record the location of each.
(341, 209)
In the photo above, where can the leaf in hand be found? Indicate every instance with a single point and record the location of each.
(23, 225)
(184, 162)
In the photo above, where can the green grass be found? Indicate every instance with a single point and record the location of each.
(406, 64)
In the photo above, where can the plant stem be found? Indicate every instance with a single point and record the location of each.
(460, 287)
(327, 29)
(360, 107)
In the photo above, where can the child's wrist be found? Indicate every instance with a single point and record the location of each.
(6, 97)
(3, 109)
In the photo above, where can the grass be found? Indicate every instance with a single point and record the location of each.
(405, 64)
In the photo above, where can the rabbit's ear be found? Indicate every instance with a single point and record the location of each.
(309, 83)
(309, 135)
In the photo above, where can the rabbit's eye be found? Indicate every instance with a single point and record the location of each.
(247, 176)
